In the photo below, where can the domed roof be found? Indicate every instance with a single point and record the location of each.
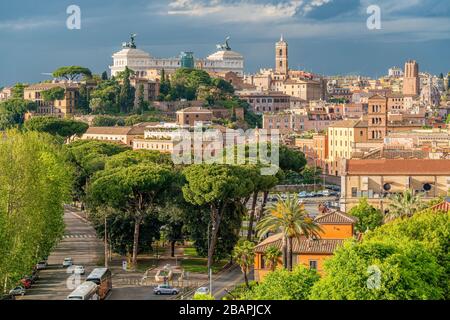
(132, 53)
(225, 55)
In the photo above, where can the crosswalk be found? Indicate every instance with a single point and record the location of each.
(79, 236)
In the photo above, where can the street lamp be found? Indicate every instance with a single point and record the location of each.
(209, 264)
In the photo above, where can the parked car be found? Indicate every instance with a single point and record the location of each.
(18, 291)
(165, 289)
(67, 262)
(78, 270)
(41, 265)
(26, 283)
(303, 194)
(202, 290)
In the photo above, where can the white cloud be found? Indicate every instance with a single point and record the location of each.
(243, 10)
(28, 24)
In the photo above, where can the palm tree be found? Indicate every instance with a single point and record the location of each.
(244, 254)
(404, 205)
(291, 219)
(272, 254)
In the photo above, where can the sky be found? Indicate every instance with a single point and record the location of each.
(327, 37)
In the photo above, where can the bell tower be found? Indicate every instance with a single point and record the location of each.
(281, 57)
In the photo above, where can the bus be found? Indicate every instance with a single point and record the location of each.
(103, 278)
(85, 291)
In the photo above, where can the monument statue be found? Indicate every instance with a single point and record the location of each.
(225, 46)
(132, 43)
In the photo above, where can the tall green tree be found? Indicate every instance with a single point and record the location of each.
(381, 270)
(285, 285)
(311, 174)
(53, 94)
(135, 190)
(215, 186)
(292, 160)
(12, 112)
(291, 219)
(35, 183)
(262, 184)
(142, 105)
(88, 157)
(72, 73)
(17, 90)
(244, 255)
(404, 205)
(368, 216)
(271, 256)
(61, 127)
(127, 92)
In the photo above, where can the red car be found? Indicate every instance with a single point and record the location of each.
(26, 283)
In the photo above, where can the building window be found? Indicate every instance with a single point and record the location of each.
(313, 264)
(354, 192)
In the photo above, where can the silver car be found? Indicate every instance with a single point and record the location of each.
(166, 289)
(18, 291)
(67, 262)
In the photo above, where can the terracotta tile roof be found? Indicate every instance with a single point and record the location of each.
(443, 206)
(302, 245)
(398, 167)
(194, 110)
(109, 130)
(349, 124)
(46, 86)
(336, 217)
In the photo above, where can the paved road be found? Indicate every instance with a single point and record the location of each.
(225, 280)
(79, 243)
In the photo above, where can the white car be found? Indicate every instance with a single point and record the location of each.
(202, 291)
(67, 262)
(17, 291)
(78, 270)
(165, 289)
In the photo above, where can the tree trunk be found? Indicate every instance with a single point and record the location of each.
(252, 217)
(283, 252)
(172, 248)
(215, 218)
(137, 224)
(289, 254)
(263, 205)
(106, 242)
(246, 279)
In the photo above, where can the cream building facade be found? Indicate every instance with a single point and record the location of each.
(142, 63)
(378, 179)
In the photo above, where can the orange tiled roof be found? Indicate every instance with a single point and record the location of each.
(443, 206)
(302, 245)
(335, 217)
(109, 130)
(398, 166)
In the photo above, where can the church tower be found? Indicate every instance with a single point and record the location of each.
(281, 57)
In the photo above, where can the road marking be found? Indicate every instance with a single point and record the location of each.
(84, 236)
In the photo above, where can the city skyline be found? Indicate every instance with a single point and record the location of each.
(326, 37)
